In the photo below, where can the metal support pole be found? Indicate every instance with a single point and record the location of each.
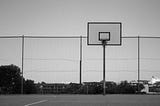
(80, 72)
(80, 77)
(104, 81)
(138, 63)
(22, 64)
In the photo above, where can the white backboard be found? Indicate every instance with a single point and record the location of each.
(94, 28)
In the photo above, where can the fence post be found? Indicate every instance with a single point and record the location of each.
(22, 63)
(80, 60)
(138, 63)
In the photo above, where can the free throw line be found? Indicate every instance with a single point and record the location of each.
(35, 102)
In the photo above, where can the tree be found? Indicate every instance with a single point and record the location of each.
(10, 79)
(125, 88)
(73, 88)
(29, 87)
(111, 87)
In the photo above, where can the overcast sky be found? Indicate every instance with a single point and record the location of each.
(69, 18)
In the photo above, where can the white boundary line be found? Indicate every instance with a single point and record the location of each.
(35, 103)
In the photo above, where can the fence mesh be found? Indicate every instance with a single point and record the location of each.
(57, 59)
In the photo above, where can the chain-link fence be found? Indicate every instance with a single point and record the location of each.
(51, 59)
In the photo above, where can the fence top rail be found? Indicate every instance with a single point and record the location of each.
(43, 36)
(140, 36)
(25, 36)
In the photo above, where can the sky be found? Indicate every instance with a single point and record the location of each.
(69, 18)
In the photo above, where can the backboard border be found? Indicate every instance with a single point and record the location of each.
(104, 23)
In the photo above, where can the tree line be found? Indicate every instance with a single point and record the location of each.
(11, 80)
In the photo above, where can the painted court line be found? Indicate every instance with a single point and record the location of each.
(35, 103)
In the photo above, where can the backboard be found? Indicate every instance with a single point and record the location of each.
(97, 31)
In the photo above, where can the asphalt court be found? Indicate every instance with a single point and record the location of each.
(79, 100)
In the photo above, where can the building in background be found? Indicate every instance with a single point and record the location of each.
(150, 86)
(53, 88)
